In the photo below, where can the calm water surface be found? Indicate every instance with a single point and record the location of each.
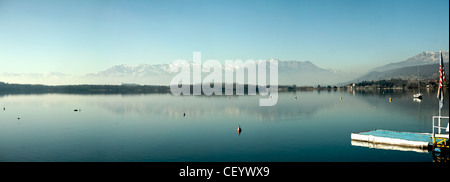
(316, 127)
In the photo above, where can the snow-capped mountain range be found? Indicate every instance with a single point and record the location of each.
(423, 58)
(139, 70)
(300, 73)
(428, 63)
(289, 72)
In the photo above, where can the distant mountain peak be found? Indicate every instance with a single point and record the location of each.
(423, 58)
(427, 61)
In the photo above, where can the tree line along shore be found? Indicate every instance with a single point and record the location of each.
(12, 88)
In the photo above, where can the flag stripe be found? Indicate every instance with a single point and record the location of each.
(440, 95)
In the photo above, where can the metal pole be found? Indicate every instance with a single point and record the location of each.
(432, 129)
(439, 121)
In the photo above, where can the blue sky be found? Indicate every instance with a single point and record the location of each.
(86, 36)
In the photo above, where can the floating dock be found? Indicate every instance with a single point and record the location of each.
(387, 146)
(395, 138)
(406, 141)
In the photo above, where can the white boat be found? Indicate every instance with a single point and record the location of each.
(418, 95)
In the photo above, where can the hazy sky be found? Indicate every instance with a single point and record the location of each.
(86, 36)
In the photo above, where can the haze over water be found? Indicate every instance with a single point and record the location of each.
(316, 127)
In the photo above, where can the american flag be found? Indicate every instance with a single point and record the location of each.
(440, 94)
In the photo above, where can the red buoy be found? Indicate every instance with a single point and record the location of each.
(239, 130)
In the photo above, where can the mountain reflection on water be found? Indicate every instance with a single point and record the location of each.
(163, 127)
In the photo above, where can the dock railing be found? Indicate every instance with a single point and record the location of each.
(439, 128)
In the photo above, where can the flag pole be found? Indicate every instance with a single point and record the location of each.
(441, 89)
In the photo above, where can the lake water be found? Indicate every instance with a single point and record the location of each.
(316, 127)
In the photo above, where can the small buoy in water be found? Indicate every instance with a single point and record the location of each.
(390, 99)
(340, 98)
(76, 110)
(295, 97)
(239, 130)
(18, 118)
(184, 114)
